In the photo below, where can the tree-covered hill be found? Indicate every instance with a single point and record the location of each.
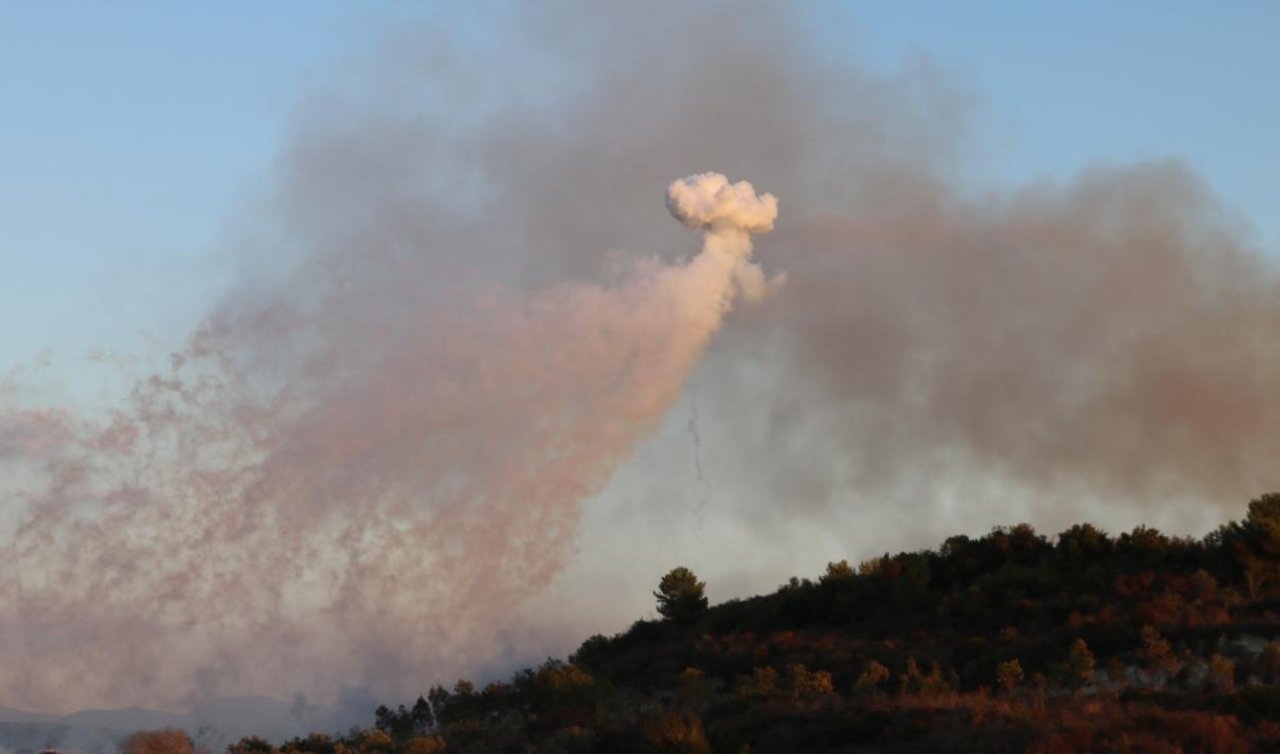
(1010, 642)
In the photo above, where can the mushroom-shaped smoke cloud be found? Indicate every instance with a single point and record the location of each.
(709, 200)
(729, 212)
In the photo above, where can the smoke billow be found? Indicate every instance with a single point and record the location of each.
(239, 526)
(456, 323)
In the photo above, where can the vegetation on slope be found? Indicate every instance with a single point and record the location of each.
(1010, 642)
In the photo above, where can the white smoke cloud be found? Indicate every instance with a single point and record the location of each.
(729, 212)
(709, 200)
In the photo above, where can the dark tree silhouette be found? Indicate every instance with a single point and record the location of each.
(402, 724)
(681, 597)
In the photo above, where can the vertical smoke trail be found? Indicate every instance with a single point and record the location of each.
(729, 213)
(695, 438)
(362, 510)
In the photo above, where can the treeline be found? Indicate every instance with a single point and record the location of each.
(1009, 642)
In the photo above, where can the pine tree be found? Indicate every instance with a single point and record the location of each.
(681, 596)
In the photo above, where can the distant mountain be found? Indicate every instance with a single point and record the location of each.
(11, 715)
(272, 719)
(35, 736)
(126, 718)
(213, 723)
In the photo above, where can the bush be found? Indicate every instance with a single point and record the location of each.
(1009, 675)
(873, 677)
(677, 732)
(165, 741)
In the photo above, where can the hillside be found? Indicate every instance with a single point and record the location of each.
(1009, 642)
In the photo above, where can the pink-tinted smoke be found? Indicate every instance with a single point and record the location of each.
(373, 511)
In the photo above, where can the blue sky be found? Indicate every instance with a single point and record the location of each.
(1067, 84)
(131, 132)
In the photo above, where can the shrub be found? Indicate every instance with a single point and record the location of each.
(1009, 674)
(164, 741)
(873, 677)
(1222, 674)
(677, 732)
